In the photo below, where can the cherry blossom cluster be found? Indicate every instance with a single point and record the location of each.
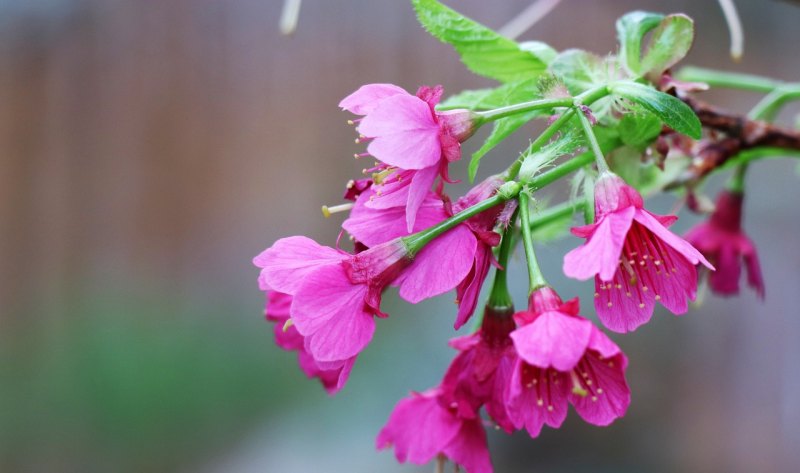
(523, 367)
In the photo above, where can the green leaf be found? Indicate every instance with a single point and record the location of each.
(580, 70)
(670, 110)
(502, 129)
(669, 43)
(639, 129)
(487, 99)
(631, 29)
(482, 50)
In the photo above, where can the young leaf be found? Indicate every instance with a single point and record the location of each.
(580, 70)
(482, 50)
(670, 42)
(502, 129)
(670, 110)
(631, 29)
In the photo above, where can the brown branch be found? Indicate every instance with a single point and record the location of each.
(741, 134)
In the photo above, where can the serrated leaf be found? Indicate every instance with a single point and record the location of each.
(669, 43)
(539, 49)
(639, 129)
(482, 50)
(670, 110)
(631, 29)
(486, 99)
(502, 129)
(580, 70)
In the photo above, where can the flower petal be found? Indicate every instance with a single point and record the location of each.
(553, 340)
(469, 448)
(440, 266)
(285, 264)
(608, 395)
(367, 97)
(679, 244)
(600, 254)
(404, 133)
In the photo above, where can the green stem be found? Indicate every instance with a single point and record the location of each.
(500, 296)
(548, 133)
(417, 241)
(733, 80)
(557, 172)
(755, 154)
(769, 106)
(541, 104)
(593, 144)
(556, 213)
(535, 276)
(736, 183)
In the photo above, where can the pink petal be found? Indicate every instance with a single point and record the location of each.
(600, 254)
(285, 264)
(679, 244)
(367, 97)
(329, 311)
(404, 133)
(534, 398)
(419, 189)
(725, 280)
(754, 278)
(375, 226)
(469, 289)
(625, 308)
(440, 266)
(469, 448)
(608, 396)
(419, 429)
(553, 340)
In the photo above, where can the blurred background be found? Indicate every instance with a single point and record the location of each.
(148, 150)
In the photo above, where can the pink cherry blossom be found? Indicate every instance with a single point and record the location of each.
(723, 242)
(634, 259)
(412, 140)
(563, 359)
(335, 295)
(289, 339)
(421, 428)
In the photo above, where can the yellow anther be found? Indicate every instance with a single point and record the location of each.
(287, 324)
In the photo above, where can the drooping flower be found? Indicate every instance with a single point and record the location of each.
(288, 338)
(563, 358)
(421, 428)
(413, 141)
(723, 242)
(634, 259)
(335, 295)
(479, 374)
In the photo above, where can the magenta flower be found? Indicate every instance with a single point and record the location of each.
(437, 268)
(335, 295)
(563, 358)
(289, 339)
(420, 429)
(723, 242)
(412, 139)
(635, 260)
(480, 373)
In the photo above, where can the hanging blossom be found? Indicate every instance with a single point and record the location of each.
(446, 420)
(723, 242)
(634, 259)
(563, 358)
(413, 142)
(288, 338)
(420, 429)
